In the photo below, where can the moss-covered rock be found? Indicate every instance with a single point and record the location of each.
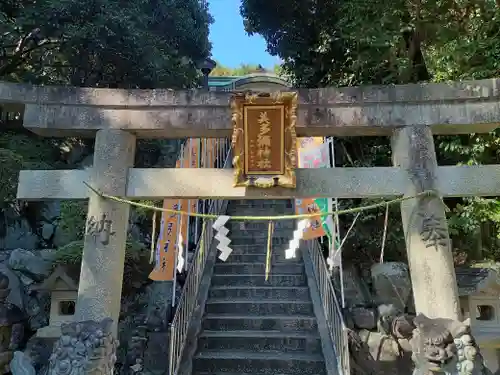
(72, 252)
(31, 147)
(136, 270)
(71, 222)
(10, 165)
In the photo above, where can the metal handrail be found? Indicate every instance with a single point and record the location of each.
(331, 308)
(188, 300)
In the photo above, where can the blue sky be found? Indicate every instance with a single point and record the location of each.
(231, 46)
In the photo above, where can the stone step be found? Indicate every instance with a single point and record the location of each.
(258, 248)
(233, 225)
(262, 234)
(289, 268)
(278, 323)
(264, 363)
(233, 373)
(277, 257)
(259, 280)
(258, 307)
(260, 293)
(238, 239)
(259, 341)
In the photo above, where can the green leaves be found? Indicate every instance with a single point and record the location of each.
(10, 165)
(19, 151)
(243, 69)
(358, 42)
(350, 42)
(71, 254)
(104, 43)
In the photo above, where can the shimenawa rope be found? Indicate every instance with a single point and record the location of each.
(427, 193)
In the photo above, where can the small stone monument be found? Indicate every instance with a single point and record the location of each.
(479, 290)
(64, 293)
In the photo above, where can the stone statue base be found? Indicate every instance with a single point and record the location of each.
(84, 348)
(49, 332)
(435, 346)
(445, 346)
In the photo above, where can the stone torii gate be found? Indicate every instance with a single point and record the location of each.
(410, 114)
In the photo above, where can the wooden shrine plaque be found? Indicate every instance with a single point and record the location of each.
(264, 139)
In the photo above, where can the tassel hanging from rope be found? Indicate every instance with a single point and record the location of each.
(384, 235)
(153, 239)
(270, 231)
(202, 240)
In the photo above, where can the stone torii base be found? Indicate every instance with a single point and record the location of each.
(84, 348)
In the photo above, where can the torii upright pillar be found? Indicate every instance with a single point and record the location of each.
(428, 241)
(101, 277)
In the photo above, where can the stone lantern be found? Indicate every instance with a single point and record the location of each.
(63, 295)
(206, 66)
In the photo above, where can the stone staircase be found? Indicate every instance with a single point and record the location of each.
(253, 326)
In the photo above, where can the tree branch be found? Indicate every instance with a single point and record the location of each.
(13, 62)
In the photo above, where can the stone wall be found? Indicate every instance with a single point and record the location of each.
(29, 251)
(42, 229)
(144, 318)
(388, 337)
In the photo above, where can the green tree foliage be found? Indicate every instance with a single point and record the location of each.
(104, 43)
(136, 262)
(244, 69)
(349, 42)
(20, 151)
(17, 152)
(95, 43)
(357, 42)
(299, 32)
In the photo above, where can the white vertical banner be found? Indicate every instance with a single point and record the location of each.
(178, 245)
(180, 240)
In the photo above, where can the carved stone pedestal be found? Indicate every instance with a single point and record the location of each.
(445, 346)
(84, 348)
(435, 346)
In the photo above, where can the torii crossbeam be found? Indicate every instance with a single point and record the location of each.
(408, 113)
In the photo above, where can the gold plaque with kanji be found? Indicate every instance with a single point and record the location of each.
(264, 139)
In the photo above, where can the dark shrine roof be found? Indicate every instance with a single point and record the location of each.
(471, 280)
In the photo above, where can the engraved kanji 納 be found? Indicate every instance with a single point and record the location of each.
(101, 228)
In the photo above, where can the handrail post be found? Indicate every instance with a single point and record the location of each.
(188, 300)
(331, 308)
